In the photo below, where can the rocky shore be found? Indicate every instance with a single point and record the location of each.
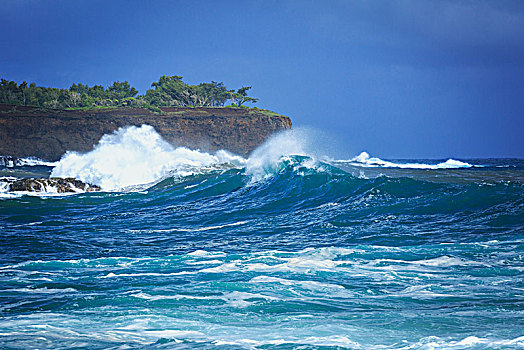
(57, 185)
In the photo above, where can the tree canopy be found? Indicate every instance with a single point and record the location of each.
(169, 91)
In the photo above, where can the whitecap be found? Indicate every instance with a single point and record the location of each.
(44, 290)
(134, 156)
(364, 160)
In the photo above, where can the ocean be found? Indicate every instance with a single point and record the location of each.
(287, 249)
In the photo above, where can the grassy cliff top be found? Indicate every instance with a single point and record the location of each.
(14, 110)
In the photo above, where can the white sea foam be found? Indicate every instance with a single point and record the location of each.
(235, 298)
(434, 342)
(11, 162)
(41, 290)
(153, 274)
(215, 297)
(4, 183)
(311, 285)
(209, 228)
(442, 261)
(32, 161)
(306, 261)
(364, 160)
(137, 155)
(172, 333)
(331, 341)
(421, 292)
(206, 254)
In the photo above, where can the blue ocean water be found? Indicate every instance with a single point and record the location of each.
(284, 250)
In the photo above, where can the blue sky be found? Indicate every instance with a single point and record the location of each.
(399, 79)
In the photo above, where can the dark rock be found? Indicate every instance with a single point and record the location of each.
(58, 185)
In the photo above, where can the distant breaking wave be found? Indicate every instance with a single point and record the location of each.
(363, 159)
(10, 162)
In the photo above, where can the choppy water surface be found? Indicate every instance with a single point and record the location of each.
(282, 250)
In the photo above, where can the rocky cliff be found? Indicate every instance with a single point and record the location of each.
(49, 133)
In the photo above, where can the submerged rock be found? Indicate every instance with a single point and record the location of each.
(58, 185)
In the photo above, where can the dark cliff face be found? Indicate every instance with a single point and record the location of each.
(49, 133)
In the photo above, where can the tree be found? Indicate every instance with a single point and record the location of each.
(169, 91)
(240, 96)
(122, 89)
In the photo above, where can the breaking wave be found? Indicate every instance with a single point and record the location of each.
(134, 156)
(364, 160)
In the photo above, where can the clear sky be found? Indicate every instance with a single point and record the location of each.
(398, 79)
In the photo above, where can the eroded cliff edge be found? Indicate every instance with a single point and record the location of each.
(49, 133)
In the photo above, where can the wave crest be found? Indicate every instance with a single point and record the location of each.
(136, 155)
(133, 156)
(364, 160)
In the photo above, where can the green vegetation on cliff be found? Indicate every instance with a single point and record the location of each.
(169, 91)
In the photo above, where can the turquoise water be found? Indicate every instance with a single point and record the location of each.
(313, 255)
